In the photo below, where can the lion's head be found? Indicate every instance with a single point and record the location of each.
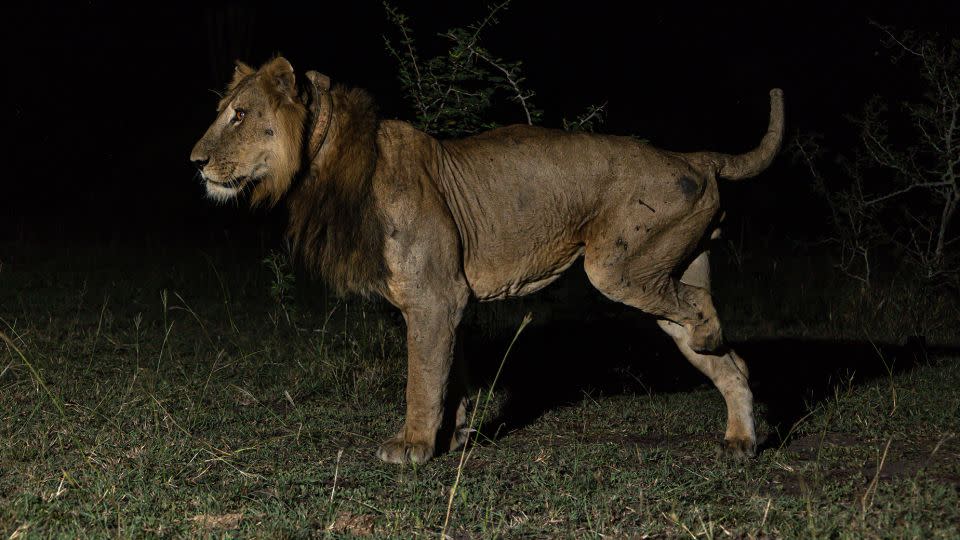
(256, 140)
(267, 137)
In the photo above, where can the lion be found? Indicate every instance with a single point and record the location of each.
(379, 207)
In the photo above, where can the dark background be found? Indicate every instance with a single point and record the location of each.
(106, 100)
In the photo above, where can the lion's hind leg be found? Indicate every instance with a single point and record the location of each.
(645, 281)
(456, 428)
(729, 374)
(460, 432)
(687, 314)
(727, 371)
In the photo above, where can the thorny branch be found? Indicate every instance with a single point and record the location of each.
(477, 28)
(514, 83)
(453, 91)
(400, 21)
(585, 122)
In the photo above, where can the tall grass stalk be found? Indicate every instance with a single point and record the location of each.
(57, 402)
(464, 455)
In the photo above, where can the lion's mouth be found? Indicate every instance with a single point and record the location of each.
(232, 184)
(237, 184)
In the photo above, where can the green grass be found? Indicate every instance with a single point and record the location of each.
(158, 399)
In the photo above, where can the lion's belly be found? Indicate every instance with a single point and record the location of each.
(494, 276)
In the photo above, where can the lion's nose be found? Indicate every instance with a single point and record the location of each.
(200, 163)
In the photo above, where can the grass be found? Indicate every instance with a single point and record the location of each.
(197, 402)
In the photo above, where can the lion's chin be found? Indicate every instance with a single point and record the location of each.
(221, 192)
(225, 191)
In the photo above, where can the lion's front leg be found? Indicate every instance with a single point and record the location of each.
(431, 331)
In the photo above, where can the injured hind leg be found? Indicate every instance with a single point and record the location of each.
(729, 374)
(704, 330)
(727, 371)
(663, 296)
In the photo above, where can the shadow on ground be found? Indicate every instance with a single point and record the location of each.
(557, 363)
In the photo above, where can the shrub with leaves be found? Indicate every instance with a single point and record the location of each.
(452, 93)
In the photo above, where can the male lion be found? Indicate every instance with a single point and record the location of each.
(380, 207)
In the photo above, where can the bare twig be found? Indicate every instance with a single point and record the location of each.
(894, 39)
(897, 193)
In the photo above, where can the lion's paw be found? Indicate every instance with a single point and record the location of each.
(740, 448)
(396, 450)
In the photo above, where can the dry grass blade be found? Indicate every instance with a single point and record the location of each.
(218, 522)
(867, 499)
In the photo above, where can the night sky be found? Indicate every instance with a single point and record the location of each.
(106, 100)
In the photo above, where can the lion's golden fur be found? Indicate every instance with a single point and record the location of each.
(381, 207)
(334, 224)
(291, 115)
(334, 228)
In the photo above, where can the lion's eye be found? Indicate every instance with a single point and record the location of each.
(238, 116)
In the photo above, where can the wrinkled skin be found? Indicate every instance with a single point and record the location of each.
(504, 213)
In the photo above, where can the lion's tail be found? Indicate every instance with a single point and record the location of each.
(754, 162)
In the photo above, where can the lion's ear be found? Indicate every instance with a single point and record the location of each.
(321, 81)
(280, 72)
(240, 72)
